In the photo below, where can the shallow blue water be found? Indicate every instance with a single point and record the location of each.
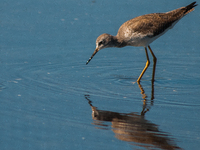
(49, 98)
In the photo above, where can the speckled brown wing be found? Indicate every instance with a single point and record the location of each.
(154, 24)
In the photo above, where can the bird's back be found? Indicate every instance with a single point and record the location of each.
(151, 25)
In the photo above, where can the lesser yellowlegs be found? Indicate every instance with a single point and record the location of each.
(141, 31)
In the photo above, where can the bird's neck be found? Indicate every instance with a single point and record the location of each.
(116, 42)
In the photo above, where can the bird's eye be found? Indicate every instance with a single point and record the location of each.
(100, 43)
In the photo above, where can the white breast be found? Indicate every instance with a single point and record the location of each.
(139, 39)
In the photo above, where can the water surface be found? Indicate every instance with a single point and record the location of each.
(51, 100)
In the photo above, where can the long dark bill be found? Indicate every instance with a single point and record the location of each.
(96, 50)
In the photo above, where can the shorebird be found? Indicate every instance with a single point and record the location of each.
(141, 31)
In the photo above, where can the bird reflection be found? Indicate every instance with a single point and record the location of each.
(144, 97)
(133, 127)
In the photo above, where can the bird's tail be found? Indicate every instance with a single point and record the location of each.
(189, 8)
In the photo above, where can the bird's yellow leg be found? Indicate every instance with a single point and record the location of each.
(144, 96)
(154, 63)
(145, 68)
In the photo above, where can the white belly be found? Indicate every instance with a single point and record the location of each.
(138, 39)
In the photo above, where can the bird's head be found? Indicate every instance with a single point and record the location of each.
(103, 41)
